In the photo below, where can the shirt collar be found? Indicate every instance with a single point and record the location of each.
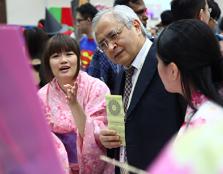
(141, 56)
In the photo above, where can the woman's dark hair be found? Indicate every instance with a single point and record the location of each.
(57, 44)
(186, 9)
(193, 47)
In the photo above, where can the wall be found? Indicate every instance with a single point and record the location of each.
(220, 3)
(58, 3)
(108, 3)
(28, 14)
(33, 10)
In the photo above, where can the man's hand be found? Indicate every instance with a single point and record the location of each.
(109, 139)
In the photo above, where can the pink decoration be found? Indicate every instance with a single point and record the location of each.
(25, 141)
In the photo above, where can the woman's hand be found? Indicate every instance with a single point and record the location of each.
(71, 93)
(77, 111)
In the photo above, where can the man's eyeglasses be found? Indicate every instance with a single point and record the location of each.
(112, 38)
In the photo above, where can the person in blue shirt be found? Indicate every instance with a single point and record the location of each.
(85, 14)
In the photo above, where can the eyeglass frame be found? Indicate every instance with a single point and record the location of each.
(111, 37)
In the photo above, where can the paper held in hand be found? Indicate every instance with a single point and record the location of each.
(116, 115)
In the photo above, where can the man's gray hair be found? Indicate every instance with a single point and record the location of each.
(122, 14)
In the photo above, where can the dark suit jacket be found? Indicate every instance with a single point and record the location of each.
(153, 116)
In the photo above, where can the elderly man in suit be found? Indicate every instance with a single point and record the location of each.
(152, 115)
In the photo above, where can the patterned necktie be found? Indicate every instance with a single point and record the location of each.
(128, 86)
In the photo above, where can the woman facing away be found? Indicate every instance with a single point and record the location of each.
(74, 104)
(190, 63)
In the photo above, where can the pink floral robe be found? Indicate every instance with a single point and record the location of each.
(197, 149)
(202, 116)
(91, 96)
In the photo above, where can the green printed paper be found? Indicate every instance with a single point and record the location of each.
(116, 115)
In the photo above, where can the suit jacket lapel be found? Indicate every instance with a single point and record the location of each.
(147, 72)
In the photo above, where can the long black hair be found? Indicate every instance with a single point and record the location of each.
(193, 47)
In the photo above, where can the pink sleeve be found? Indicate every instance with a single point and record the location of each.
(89, 147)
(45, 108)
(61, 121)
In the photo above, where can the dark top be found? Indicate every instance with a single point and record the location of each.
(153, 116)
